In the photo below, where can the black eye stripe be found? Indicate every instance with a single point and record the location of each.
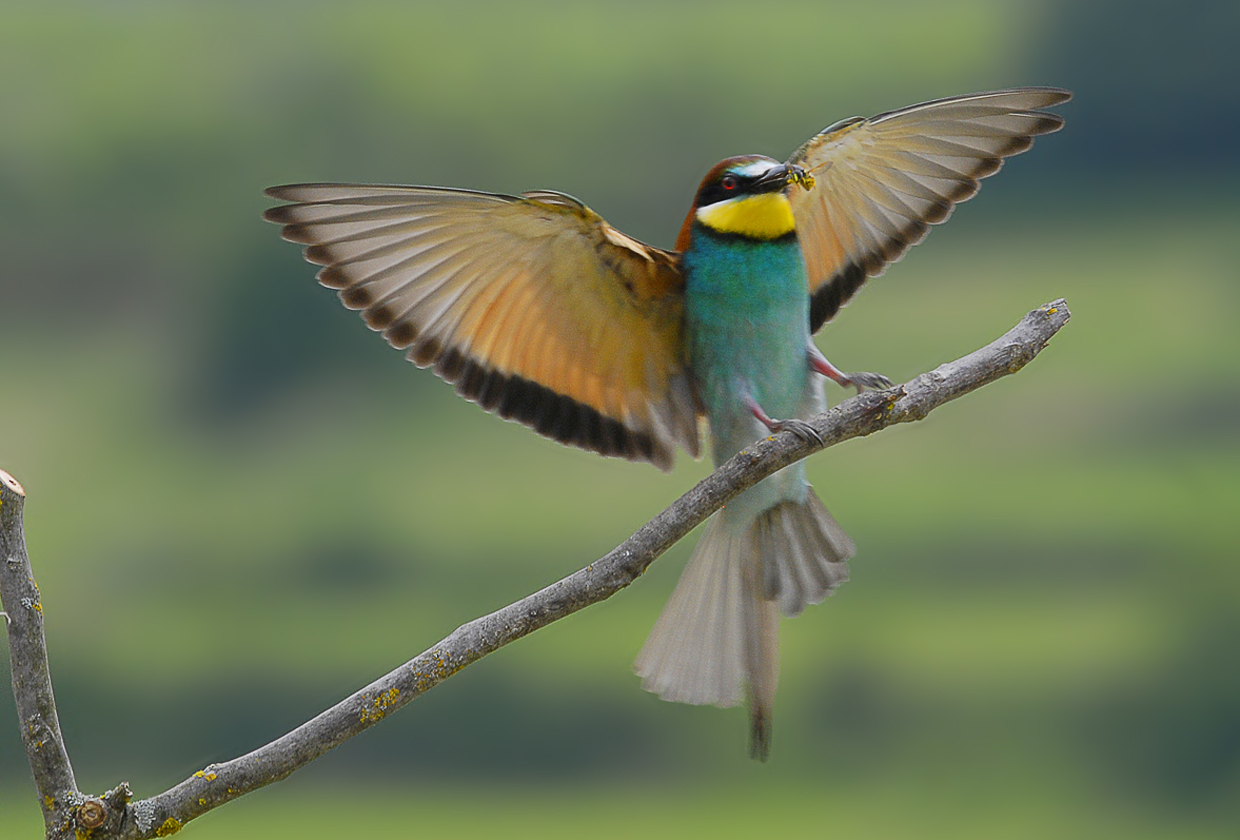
(729, 185)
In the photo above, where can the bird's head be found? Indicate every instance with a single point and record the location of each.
(745, 196)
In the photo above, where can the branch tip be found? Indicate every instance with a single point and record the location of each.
(11, 484)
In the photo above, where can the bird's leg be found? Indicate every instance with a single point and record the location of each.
(800, 428)
(860, 381)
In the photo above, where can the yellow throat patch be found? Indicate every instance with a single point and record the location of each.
(764, 216)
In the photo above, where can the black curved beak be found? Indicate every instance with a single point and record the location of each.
(778, 177)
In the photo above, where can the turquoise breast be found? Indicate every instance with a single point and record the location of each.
(747, 329)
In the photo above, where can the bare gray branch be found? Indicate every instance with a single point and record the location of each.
(32, 679)
(219, 783)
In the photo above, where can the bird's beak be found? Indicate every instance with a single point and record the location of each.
(778, 177)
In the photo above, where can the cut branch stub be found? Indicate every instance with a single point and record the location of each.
(32, 680)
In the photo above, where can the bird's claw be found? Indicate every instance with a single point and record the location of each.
(864, 380)
(800, 428)
(860, 381)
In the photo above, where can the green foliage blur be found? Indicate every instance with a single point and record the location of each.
(242, 506)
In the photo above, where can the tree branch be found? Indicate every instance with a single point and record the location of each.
(862, 415)
(32, 679)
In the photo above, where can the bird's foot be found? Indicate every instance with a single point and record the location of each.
(800, 428)
(863, 380)
(860, 381)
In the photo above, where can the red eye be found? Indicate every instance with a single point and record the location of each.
(728, 183)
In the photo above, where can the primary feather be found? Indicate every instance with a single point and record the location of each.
(533, 305)
(880, 183)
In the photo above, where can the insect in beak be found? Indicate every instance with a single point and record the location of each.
(797, 175)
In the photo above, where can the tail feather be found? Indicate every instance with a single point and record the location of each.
(693, 654)
(717, 639)
(804, 553)
(760, 623)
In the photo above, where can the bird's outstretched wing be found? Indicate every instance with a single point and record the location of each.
(879, 183)
(533, 306)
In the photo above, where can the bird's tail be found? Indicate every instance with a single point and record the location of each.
(718, 636)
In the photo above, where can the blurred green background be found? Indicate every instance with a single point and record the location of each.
(242, 506)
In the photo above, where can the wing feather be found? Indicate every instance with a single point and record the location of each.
(879, 183)
(532, 305)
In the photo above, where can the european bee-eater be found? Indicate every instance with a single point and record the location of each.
(542, 312)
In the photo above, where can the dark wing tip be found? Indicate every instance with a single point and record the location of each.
(333, 278)
(1055, 95)
(295, 192)
(1048, 124)
(509, 395)
(379, 317)
(1050, 95)
(830, 297)
(293, 231)
(551, 414)
(318, 254)
(281, 215)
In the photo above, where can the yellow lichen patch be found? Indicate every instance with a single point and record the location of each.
(171, 826)
(48, 803)
(205, 774)
(377, 710)
(445, 666)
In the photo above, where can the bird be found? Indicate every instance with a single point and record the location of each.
(538, 310)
